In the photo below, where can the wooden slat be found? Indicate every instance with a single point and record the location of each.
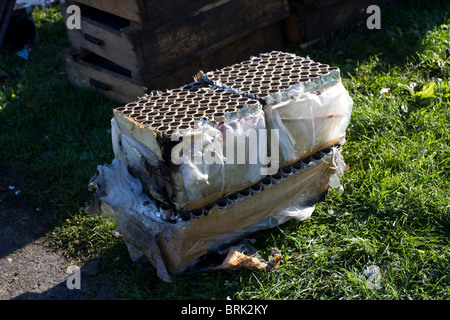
(179, 42)
(87, 74)
(150, 53)
(133, 10)
(319, 3)
(161, 12)
(147, 14)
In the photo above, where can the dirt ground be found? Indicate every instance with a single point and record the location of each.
(28, 269)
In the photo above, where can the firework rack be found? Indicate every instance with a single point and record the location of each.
(174, 214)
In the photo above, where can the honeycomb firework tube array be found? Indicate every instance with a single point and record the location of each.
(303, 99)
(193, 110)
(181, 109)
(271, 76)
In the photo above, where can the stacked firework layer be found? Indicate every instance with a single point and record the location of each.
(270, 75)
(273, 91)
(197, 206)
(303, 99)
(179, 109)
(156, 124)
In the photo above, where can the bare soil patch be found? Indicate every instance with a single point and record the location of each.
(28, 269)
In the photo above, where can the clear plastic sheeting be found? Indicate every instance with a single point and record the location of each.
(220, 170)
(134, 212)
(115, 186)
(182, 246)
(310, 120)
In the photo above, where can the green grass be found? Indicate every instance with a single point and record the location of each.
(394, 213)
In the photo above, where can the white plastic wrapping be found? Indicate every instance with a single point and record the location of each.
(309, 113)
(218, 170)
(310, 119)
(134, 212)
(137, 158)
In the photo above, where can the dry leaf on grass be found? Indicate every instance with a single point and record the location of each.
(237, 260)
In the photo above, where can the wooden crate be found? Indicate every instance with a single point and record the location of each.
(148, 53)
(263, 40)
(309, 20)
(86, 69)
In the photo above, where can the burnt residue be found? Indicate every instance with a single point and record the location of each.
(160, 179)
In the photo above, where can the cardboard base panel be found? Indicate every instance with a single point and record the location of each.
(179, 247)
(219, 227)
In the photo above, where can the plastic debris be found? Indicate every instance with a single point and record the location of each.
(24, 53)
